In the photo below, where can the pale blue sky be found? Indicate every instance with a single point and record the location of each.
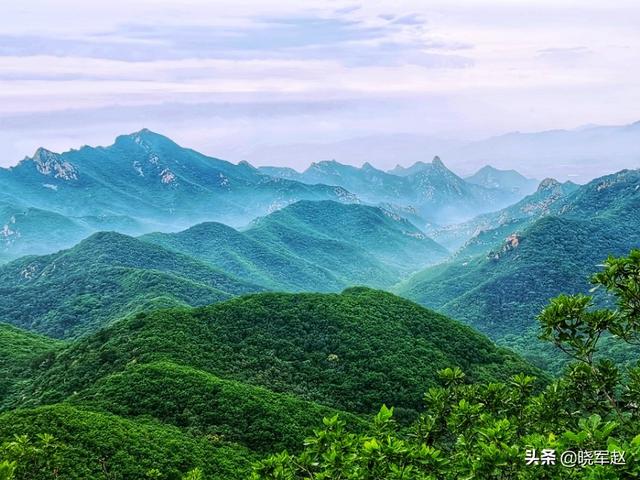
(227, 77)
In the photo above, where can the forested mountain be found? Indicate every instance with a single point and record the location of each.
(105, 277)
(321, 246)
(317, 346)
(236, 380)
(18, 349)
(501, 291)
(383, 235)
(248, 258)
(435, 192)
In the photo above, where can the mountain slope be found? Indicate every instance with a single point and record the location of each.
(503, 290)
(383, 235)
(34, 231)
(99, 445)
(255, 417)
(103, 278)
(482, 232)
(18, 349)
(349, 351)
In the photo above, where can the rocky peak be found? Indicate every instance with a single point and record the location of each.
(548, 184)
(52, 164)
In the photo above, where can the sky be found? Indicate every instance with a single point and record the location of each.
(231, 77)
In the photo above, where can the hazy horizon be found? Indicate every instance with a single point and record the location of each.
(239, 81)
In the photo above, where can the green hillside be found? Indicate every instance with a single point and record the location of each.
(311, 246)
(99, 445)
(349, 351)
(109, 275)
(388, 237)
(18, 350)
(193, 399)
(248, 258)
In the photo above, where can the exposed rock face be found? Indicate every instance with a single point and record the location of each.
(51, 164)
(510, 243)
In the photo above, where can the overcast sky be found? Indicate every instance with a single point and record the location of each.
(225, 77)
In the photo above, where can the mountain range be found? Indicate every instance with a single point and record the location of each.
(482, 232)
(145, 182)
(579, 154)
(436, 194)
(226, 309)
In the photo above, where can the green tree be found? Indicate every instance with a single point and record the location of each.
(7, 470)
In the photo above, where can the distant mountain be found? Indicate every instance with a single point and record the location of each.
(25, 230)
(401, 171)
(281, 172)
(502, 290)
(480, 233)
(322, 246)
(579, 154)
(508, 180)
(383, 150)
(434, 192)
(105, 277)
(151, 179)
(372, 185)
